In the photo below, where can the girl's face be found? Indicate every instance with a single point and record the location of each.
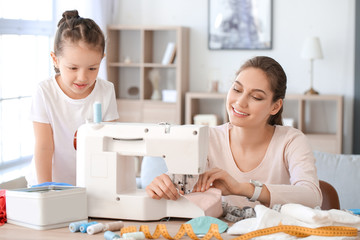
(249, 100)
(79, 66)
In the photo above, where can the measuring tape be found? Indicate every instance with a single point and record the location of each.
(184, 229)
(297, 231)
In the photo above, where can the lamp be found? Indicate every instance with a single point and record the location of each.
(311, 51)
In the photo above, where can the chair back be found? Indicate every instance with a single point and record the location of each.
(330, 196)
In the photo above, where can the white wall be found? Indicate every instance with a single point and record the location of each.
(333, 21)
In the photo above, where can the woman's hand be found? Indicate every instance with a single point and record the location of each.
(163, 187)
(217, 178)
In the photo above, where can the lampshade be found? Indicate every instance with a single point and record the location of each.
(312, 49)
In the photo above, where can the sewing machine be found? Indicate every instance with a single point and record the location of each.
(105, 166)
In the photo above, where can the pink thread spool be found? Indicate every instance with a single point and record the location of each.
(113, 226)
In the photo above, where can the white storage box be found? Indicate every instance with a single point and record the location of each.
(46, 207)
(206, 119)
(169, 95)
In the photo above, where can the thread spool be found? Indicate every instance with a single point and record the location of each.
(113, 226)
(134, 235)
(84, 226)
(96, 228)
(109, 235)
(75, 226)
(97, 112)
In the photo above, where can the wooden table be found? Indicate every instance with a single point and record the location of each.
(14, 232)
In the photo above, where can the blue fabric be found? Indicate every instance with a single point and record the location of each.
(51, 184)
(355, 211)
(201, 225)
(151, 167)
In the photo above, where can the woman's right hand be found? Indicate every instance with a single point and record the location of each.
(162, 187)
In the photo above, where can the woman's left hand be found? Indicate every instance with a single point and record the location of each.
(217, 178)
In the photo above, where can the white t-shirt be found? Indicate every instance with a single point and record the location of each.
(65, 115)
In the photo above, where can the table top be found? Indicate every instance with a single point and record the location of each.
(14, 232)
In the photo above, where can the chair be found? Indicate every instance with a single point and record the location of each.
(330, 196)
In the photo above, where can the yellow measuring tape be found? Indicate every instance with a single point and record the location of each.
(184, 229)
(297, 231)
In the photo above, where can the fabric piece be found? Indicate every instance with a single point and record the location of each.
(151, 167)
(294, 214)
(51, 184)
(209, 201)
(287, 169)
(355, 211)
(319, 218)
(201, 225)
(2, 207)
(52, 106)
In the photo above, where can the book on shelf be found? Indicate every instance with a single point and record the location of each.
(170, 53)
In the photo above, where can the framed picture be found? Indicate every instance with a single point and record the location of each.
(240, 24)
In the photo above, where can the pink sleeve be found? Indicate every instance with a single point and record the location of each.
(304, 184)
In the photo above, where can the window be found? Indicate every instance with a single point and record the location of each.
(26, 38)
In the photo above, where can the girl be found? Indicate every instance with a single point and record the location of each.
(65, 101)
(253, 158)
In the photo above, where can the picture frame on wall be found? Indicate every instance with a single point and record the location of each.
(241, 24)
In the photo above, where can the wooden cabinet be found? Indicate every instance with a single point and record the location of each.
(133, 54)
(320, 117)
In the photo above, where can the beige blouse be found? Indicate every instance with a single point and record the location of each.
(288, 168)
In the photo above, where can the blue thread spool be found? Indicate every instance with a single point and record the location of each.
(109, 235)
(84, 226)
(97, 112)
(134, 235)
(75, 226)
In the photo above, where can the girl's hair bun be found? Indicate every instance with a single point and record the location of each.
(67, 15)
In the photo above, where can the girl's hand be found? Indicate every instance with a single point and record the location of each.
(217, 178)
(163, 187)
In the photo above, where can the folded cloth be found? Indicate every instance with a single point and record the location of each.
(2, 207)
(294, 214)
(320, 218)
(209, 201)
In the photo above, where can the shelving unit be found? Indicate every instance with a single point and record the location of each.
(132, 53)
(319, 117)
(194, 102)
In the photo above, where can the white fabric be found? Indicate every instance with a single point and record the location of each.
(65, 115)
(294, 214)
(342, 172)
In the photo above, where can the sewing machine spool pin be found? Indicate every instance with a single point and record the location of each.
(167, 126)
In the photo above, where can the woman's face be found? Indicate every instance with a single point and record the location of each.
(249, 100)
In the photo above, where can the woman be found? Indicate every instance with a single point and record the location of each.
(254, 159)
